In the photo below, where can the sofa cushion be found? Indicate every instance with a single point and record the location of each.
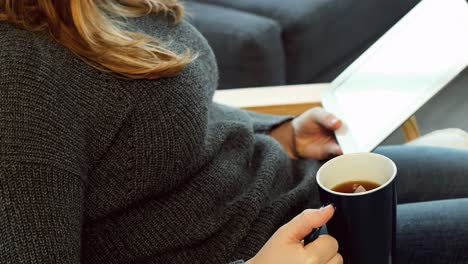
(248, 47)
(319, 34)
(448, 138)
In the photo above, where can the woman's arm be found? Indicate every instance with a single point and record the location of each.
(48, 135)
(42, 173)
(309, 136)
(40, 213)
(284, 134)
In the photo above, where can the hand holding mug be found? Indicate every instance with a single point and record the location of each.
(286, 245)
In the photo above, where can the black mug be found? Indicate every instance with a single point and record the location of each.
(364, 224)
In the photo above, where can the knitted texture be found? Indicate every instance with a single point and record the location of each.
(99, 169)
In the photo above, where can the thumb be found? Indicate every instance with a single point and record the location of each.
(332, 149)
(324, 118)
(300, 226)
(321, 152)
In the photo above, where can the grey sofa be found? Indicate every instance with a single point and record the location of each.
(276, 42)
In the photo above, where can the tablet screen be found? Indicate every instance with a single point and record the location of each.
(400, 73)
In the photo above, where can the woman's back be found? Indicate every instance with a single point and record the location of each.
(110, 170)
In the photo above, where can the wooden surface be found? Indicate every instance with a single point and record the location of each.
(290, 109)
(282, 100)
(411, 129)
(289, 100)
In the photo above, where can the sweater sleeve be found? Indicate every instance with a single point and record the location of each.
(261, 123)
(43, 164)
(264, 123)
(51, 136)
(40, 214)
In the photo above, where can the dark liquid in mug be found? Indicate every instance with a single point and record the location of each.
(351, 186)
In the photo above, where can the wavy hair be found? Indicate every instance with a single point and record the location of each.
(91, 29)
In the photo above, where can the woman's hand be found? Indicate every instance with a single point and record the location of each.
(314, 137)
(310, 135)
(286, 245)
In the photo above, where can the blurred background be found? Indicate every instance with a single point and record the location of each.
(277, 42)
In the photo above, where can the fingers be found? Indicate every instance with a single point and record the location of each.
(322, 152)
(332, 149)
(304, 223)
(324, 118)
(337, 259)
(323, 249)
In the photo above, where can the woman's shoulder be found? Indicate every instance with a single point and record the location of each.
(18, 43)
(49, 95)
(27, 56)
(176, 36)
(34, 60)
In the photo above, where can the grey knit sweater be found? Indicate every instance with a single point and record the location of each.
(99, 169)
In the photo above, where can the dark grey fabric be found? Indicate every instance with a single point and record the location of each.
(100, 169)
(318, 35)
(248, 47)
(433, 232)
(432, 186)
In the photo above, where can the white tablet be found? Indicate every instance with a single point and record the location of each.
(396, 76)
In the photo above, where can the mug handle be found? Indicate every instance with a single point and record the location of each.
(312, 236)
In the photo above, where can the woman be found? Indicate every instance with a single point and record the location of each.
(97, 168)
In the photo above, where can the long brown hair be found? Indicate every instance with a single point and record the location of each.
(90, 29)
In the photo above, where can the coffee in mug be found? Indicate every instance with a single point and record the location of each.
(355, 186)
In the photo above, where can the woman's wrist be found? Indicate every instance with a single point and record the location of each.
(284, 134)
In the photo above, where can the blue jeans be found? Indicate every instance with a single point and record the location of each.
(432, 186)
